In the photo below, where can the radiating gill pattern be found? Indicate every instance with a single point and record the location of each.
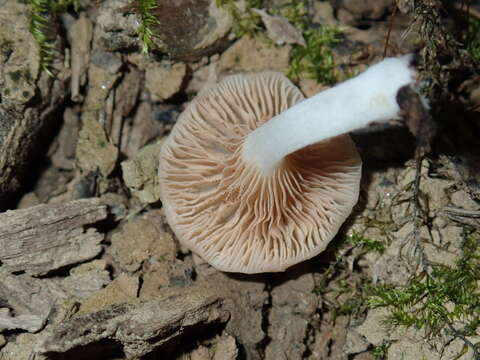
(223, 208)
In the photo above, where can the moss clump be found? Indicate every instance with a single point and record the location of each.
(441, 299)
(315, 58)
(380, 352)
(244, 22)
(472, 40)
(367, 244)
(60, 6)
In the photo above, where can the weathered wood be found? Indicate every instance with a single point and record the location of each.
(28, 96)
(28, 302)
(46, 237)
(462, 216)
(143, 326)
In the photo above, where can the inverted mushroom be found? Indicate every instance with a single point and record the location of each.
(255, 179)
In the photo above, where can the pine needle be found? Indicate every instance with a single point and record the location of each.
(145, 31)
(39, 24)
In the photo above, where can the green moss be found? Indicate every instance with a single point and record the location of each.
(39, 27)
(341, 292)
(437, 299)
(146, 32)
(315, 58)
(60, 6)
(246, 22)
(42, 26)
(366, 243)
(380, 352)
(296, 13)
(472, 39)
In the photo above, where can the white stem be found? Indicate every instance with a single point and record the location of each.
(369, 97)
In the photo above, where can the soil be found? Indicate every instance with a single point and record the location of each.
(89, 266)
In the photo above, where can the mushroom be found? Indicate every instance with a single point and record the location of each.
(253, 178)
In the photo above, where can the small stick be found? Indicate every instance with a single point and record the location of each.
(462, 216)
(389, 30)
(420, 124)
(476, 353)
(463, 212)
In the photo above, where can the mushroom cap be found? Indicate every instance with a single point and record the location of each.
(230, 213)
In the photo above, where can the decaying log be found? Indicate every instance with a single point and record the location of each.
(143, 326)
(46, 237)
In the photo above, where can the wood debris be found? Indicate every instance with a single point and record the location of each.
(46, 237)
(80, 36)
(26, 302)
(462, 216)
(174, 313)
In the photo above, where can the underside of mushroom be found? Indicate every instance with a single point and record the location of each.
(255, 179)
(238, 218)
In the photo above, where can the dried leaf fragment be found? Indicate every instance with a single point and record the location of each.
(279, 30)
